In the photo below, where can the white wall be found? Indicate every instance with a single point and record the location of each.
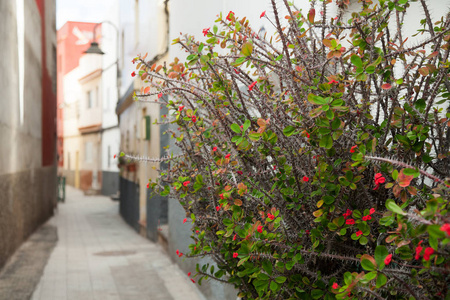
(111, 48)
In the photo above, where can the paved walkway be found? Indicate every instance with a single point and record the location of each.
(98, 256)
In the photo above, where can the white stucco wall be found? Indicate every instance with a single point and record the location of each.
(20, 140)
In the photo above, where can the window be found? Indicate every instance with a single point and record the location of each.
(88, 152)
(90, 100)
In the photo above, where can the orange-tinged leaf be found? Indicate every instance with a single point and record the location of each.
(261, 122)
(327, 43)
(146, 90)
(424, 71)
(369, 258)
(227, 188)
(237, 202)
(404, 180)
(153, 67)
(158, 68)
(311, 15)
(318, 213)
(386, 86)
(412, 190)
(403, 243)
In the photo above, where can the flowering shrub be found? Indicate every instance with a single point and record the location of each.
(313, 163)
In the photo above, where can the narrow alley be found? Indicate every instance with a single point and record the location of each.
(98, 256)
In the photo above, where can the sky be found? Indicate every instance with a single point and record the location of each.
(81, 10)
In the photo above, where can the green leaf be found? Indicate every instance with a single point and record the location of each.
(239, 61)
(267, 266)
(435, 231)
(356, 60)
(371, 275)
(370, 69)
(247, 49)
(392, 206)
(316, 99)
(381, 280)
(280, 279)
(380, 254)
(215, 28)
(363, 240)
(254, 136)
(316, 293)
(336, 123)
(273, 286)
(288, 131)
(246, 125)
(122, 154)
(243, 260)
(368, 262)
(235, 127)
(326, 142)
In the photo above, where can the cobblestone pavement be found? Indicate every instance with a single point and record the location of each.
(98, 256)
(20, 276)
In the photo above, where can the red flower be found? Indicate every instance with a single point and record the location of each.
(228, 155)
(388, 259)
(366, 218)
(221, 196)
(184, 220)
(160, 95)
(307, 135)
(240, 172)
(260, 229)
(235, 254)
(446, 228)
(335, 286)
(350, 222)
(332, 81)
(194, 119)
(180, 255)
(236, 71)
(263, 14)
(186, 183)
(217, 208)
(193, 280)
(148, 185)
(251, 86)
(379, 179)
(418, 250)
(427, 253)
(307, 231)
(205, 31)
(214, 148)
(230, 14)
(372, 210)
(347, 214)
(177, 252)
(133, 74)
(352, 149)
(358, 233)
(270, 216)
(305, 178)
(115, 155)
(189, 274)
(180, 108)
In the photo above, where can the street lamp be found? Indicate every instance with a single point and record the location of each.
(95, 49)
